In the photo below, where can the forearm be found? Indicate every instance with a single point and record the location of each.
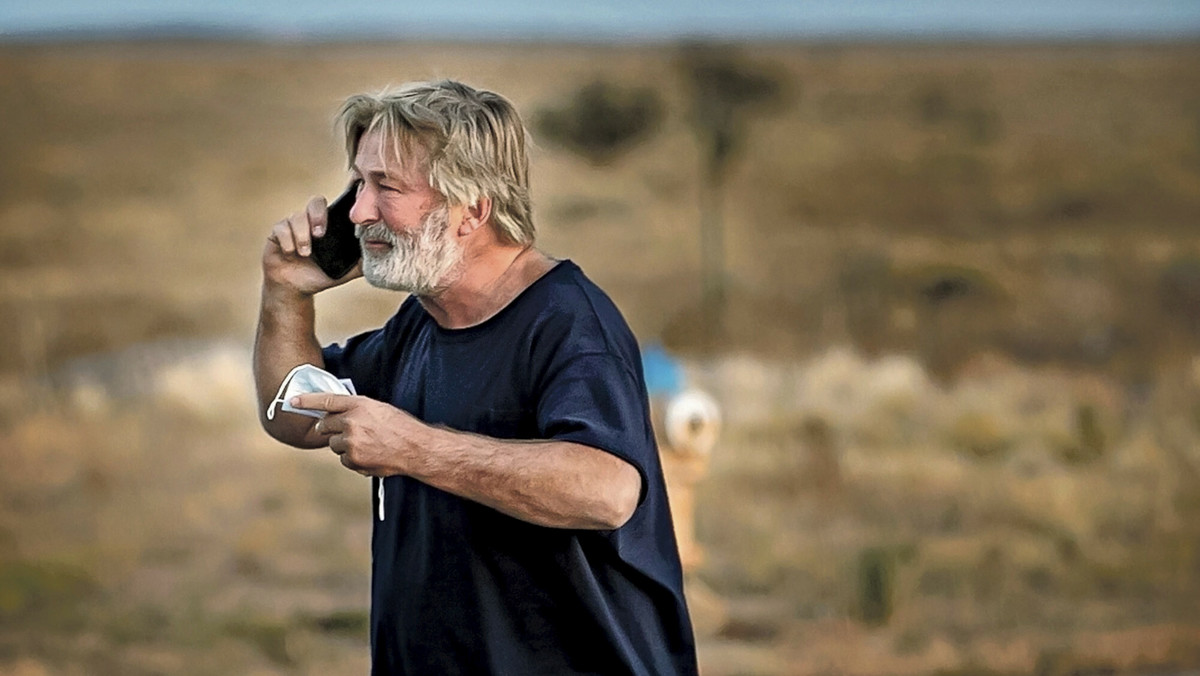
(285, 338)
(549, 483)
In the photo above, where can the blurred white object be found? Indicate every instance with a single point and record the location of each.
(693, 422)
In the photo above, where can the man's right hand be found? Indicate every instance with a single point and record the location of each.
(287, 256)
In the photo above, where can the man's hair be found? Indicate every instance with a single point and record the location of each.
(472, 140)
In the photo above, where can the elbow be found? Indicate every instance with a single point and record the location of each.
(297, 436)
(620, 515)
(622, 498)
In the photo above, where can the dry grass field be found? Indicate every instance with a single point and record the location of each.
(959, 359)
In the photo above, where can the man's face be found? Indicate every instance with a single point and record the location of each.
(402, 223)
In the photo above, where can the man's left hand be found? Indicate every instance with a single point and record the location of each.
(369, 436)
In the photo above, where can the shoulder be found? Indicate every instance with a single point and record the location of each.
(381, 343)
(569, 303)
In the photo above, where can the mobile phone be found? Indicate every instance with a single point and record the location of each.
(337, 251)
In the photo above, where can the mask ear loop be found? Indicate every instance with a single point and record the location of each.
(279, 395)
(381, 512)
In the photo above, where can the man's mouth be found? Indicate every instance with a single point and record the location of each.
(371, 244)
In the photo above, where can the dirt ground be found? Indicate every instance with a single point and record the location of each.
(959, 360)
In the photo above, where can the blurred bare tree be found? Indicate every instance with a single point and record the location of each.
(726, 93)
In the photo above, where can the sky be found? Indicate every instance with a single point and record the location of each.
(615, 20)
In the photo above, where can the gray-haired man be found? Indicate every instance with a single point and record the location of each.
(521, 522)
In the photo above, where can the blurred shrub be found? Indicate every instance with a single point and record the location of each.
(968, 111)
(41, 592)
(932, 104)
(939, 283)
(980, 435)
(1179, 292)
(958, 310)
(353, 623)
(601, 120)
(946, 313)
(876, 586)
(1087, 438)
(268, 635)
(1091, 440)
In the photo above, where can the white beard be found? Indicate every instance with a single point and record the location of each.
(421, 263)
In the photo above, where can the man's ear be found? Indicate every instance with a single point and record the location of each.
(475, 216)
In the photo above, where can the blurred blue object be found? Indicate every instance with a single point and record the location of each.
(664, 374)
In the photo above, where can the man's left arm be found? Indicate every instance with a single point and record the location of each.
(558, 484)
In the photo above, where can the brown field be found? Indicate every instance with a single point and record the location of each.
(959, 362)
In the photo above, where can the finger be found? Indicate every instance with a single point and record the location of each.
(282, 234)
(301, 233)
(341, 447)
(348, 464)
(324, 401)
(323, 427)
(334, 423)
(318, 218)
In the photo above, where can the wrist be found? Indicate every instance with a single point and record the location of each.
(282, 294)
(428, 449)
(286, 307)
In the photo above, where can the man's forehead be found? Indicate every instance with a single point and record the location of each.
(379, 153)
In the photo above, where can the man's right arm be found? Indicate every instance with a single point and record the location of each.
(286, 335)
(284, 340)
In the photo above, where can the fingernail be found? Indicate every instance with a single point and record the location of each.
(295, 401)
(318, 231)
(304, 250)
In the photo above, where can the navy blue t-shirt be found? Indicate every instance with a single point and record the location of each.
(460, 588)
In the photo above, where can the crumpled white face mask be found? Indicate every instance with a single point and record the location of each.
(305, 379)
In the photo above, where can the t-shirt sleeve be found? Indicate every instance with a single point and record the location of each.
(596, 400)
(360, 359)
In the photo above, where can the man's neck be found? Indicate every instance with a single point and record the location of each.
(489, 282)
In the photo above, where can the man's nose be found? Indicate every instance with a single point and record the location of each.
(364, 211)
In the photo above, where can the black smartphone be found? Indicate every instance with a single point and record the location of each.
(337, 251)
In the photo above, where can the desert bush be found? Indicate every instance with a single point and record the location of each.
(354, 623)
(976, 119)
(601, 120)
(980, 435)
(876, 585)
(959, 311)
(1179, 293)
(1090, 440)
(266, 634)
(939, 283)
(43, 592)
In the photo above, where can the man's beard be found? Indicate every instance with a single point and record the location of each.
(420, 263)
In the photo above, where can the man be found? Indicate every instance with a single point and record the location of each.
(521, 524)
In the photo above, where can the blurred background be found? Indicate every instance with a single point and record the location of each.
(938, 262)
